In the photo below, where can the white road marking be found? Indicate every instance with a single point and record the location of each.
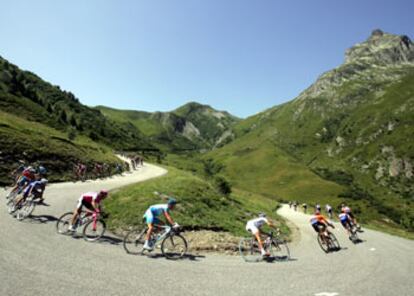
(327, 294)
(372, 249)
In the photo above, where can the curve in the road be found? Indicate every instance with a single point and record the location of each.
(34, 260)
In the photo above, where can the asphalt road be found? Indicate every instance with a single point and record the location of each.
(34, 260)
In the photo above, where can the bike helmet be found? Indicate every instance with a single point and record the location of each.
(44, 181)
(42, 170)
(262, 215)
(172, 201)
(103, 193)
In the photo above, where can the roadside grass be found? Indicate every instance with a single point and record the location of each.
(201, 206)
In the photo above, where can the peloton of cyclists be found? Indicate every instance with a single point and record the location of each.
(254, 225)
(89, 200)
(151, 218)
(37, 188)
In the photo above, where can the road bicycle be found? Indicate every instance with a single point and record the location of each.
(173, 245)
(354, 229)
(273, 244)
(24, 208)
(328, 242)
(89, 223)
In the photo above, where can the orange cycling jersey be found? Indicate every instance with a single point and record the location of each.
(318, 218)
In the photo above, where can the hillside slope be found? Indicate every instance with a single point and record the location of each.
(191, 127)
(353, 126)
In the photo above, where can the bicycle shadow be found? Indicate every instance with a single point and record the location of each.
(40, 219)
(104, 240)
(189, 257)
(278, 259)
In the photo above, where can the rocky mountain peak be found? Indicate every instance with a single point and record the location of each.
(382, 49)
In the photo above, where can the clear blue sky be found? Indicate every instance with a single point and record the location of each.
(242, 56)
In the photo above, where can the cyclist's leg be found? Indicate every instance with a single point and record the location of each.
(76, 213)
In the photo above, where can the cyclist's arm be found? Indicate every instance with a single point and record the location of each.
(168, 217)
(96, 206)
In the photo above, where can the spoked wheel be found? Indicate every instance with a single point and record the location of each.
(11, 205)
(334, 244)
(92, 232)
(324, 244)
(62, 225)
(25, 210)
(12, 195)
(280, 250)
(174, 246)
(134, 242)
(249, 250)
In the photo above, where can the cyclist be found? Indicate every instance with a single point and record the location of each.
(151, 219)
(37, 188)
(18, 171)
(28, 175)
(253, 226)
(346, 222)
(346, 209)
(329, 210)
(90, 200)
(320, 224)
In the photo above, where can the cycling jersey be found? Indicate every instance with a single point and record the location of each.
(254, 225)
(318, 218)
(38, 188)
(91, 196)
(153, 211)
(28, 174)
(343, 217)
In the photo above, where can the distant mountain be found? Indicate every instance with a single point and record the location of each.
(191, 127)
(354, 126)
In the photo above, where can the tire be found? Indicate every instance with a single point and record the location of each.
(134, 242)
(280, 250)
(249, 250)
(354, 235)
(10, 206)
(91, 235)
(324, 247)
(25, 210)
(62, 224)
(12, 195)
(334, 244)
(174, 246)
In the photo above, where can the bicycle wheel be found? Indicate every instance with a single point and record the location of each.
(249, 250)
(12, 195)
(324, 246)
(174, 246)
(91, 233)
(334, 244)
(62, 225)
(134, 242)
(280, 250)
(25, 210)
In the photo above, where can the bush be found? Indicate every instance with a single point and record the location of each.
(222, 185)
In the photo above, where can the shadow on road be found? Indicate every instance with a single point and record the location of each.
(189, 257)
(104, 240)
(40, 219)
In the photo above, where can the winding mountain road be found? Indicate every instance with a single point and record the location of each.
(34, 260)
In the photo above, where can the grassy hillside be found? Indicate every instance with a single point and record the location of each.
(201, 205)
(36, 142)
(348, 138)
(26, 95)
